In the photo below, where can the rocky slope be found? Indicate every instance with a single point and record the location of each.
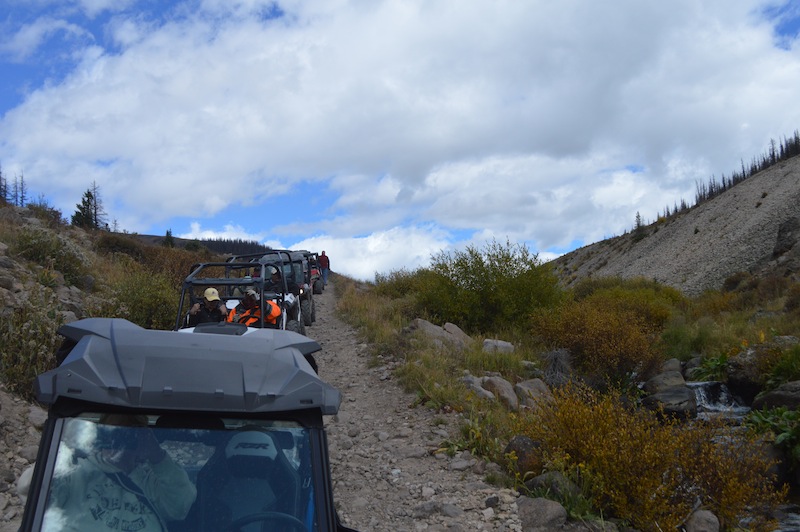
(752, 227)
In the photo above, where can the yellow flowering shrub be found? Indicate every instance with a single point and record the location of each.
(646, 471)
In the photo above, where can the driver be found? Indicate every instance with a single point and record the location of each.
(249, 311)
(127, 482)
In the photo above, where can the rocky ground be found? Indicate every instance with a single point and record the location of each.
(386, 471)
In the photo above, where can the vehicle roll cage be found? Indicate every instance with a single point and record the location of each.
(231, 279)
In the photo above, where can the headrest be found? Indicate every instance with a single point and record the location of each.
(251, 443)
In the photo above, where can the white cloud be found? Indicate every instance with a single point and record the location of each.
(512, 119)
(381, 252)
(27, 39)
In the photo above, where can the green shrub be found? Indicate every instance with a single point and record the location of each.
(147, 299)
(652, 306)
(488, 289)
(28, 342)
(174, 263)
(733, 281)
(682, 338)
(52, 250)
(195, 247)
(396, 284)
(783, 425)
(713, 368)
(784, 367)
(119, 243)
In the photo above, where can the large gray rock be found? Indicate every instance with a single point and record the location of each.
(787, 394)
(664, 380)
(540, 515)
(702, 521)
(556, 484)
(497, 346)
(532, 392)
(677, 401)
(527, 452)
(450, 333)
(503, 390)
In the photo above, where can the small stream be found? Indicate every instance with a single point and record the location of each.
(714, 401)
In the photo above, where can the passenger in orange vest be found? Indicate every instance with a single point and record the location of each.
(248, 311)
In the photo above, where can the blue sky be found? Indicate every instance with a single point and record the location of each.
(386, 131)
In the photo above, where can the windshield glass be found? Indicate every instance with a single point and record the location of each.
(126, 472)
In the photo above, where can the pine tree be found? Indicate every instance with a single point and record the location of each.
(84, 215)
(168, 241)
(3, 187)
(90, 213)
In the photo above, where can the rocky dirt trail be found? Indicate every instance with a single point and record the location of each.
(387, 475)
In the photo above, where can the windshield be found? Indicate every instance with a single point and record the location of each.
(174, 473)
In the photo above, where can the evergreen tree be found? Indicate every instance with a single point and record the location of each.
(84, 215)
(90, 213)
(3, 187)
(168, 241)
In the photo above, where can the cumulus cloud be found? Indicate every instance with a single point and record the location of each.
(545, 122)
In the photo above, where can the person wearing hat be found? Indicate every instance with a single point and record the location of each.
(249, 311)
(118, 478)
(211, 310)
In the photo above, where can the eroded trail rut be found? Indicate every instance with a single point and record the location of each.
(386, 475)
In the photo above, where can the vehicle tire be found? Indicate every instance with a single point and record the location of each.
(313, 311)
(293, 325)
(318, 286)
(305, 310)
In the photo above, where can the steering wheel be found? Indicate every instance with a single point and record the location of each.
(289, 519)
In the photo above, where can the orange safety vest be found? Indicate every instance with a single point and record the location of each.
(251, 317)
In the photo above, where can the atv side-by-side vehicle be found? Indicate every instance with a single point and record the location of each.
(293, 280)
(237, 417)
(234, 277)
(317, 286)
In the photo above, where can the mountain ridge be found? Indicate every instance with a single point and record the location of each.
(752, 227)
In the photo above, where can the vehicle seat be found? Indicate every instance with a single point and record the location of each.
(247, 475)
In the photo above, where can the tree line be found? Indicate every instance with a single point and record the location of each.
(91, 214)
(777, 152)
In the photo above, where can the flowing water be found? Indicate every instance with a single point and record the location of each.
(714, 400)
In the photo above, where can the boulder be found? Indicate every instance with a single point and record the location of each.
(503, 390)
(540, 515)
(677, 401)
(787, 394)
(497, 346)
(532, 391)
(664, 380)
(527, 452)
(702, 521)
(449, 333)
